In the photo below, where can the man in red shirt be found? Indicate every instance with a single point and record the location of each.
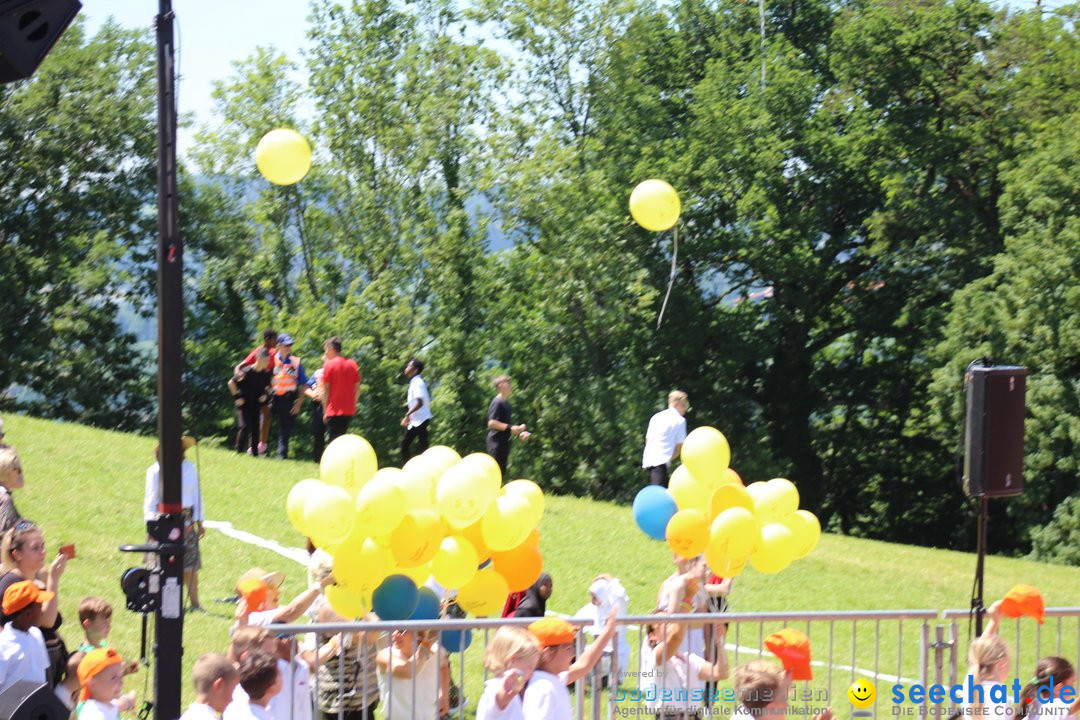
(341, 388)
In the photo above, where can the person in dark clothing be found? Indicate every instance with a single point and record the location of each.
(500, 429)
(534, 604)
(250, 388)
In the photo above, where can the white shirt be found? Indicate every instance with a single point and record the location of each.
(65, 696)
(546, 697)
(190, 497)
(22, 656)
(667, 429)
(418, 391)
(295, 692)
(677, 685)
(488, 708)
(200, 711)
(97, 710)
(397, 694)
(238, 710)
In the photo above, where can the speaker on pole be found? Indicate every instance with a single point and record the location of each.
(29, 700)
(28, 30)
(994, 430)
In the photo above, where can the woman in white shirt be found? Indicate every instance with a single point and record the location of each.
(191, 499)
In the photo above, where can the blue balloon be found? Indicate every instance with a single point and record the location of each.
(427, 608)
(653, 507)
(455, 640)
(395, 599)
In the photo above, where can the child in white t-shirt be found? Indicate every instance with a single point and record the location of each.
(546, 696)
(22, 648)
(1042, 696)
(101, 674)
(215, 679)
(511, 657)
(261, 681)
(674, 680)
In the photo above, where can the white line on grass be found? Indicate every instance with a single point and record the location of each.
(300, 556)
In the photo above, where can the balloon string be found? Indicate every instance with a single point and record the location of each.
(671, 278)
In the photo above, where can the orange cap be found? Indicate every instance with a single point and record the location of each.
(792, 649)
(94, 662)
(553, 631)
(21, 594)
(254, 592)
(1021, 600)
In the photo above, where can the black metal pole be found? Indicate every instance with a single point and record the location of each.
(977, 601)
(169, 621)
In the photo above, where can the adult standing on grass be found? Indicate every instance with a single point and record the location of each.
(314, 392)
(664, 437)
(288, 377)
(250, 388)
(11, 478)
(191, 499)
(417, 420)
(270, 339)
(341, 388)
(500, 427)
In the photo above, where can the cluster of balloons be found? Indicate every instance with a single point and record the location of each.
(440, 516)
(706, 509)
(283, 156)
(655, 205)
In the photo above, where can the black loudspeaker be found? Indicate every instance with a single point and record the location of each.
(28, 30)
(994, 430)
(28, 700)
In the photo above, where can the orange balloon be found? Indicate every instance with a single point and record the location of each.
(688, 533)
(520, 566)
(472, 534)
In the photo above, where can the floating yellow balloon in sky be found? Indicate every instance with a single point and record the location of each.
(283, 156)
(655, 205)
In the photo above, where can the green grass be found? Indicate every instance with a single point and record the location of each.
(85, 486)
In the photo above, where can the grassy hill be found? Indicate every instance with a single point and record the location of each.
(85, 486)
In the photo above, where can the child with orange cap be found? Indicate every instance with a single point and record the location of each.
(22, 647)
(547, 697)
(101, 675)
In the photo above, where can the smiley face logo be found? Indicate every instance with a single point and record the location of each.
(861, 693)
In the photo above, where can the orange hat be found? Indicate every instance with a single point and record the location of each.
(94, 662)
(21, 594)
(1021, 600)
(553, 631)
(792, 649)
(254, 592)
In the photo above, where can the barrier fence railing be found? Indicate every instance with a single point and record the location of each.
(846, 645)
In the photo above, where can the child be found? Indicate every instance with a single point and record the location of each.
(988, 666)
(68, 689)
(1042, 696)
(605, 593)
(261, 681)
(215, 679)
(673, 682)
(22, 648)
(547, 697)
(511, 657)
(95, 616)
(761, 689)
(413, 676)
(684, 592)
(250, 388)
(101, 675)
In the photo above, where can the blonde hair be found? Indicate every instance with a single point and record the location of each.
(9, 459)
(758, 684)
(677, 396)
(510, 643)
(986, 652)
(14, 539)
(246, 639)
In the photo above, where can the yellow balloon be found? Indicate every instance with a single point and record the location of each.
(689, 494)
(776, 551)
(485, 465)
(440, 458)
(418, 574)
(363, 569)
(687, 533)
(655, 205)
(417, 481)
(485, 594)
(380, 504)
(329, 514)
(765, 501)
(729, 496)
(806, 528)
(464, 493)
(532, 493)
(346, 603)
(416, 539)
(475, 536)
(283, 156)
(294, 503)
(706, 454)
(455, 563)
(348, 462)
(786, 496)
(723, 565)
(733, 533)
(506, 523)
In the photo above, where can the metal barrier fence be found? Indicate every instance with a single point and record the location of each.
(846, 645)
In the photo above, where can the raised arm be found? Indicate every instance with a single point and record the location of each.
(595, 650)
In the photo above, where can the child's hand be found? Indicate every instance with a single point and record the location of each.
(126, 702)
(827, 715)
(513, 681)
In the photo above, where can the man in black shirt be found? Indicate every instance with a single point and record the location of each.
(250, 388)
(499, 428)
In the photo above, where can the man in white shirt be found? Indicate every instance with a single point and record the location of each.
(664, 438)
(22, 647)
(417, 418)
